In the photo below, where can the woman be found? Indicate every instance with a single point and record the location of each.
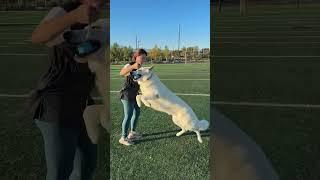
(63, 93)
(128, 95)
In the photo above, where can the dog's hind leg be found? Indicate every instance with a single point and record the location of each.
(181, 132)
(198, 136)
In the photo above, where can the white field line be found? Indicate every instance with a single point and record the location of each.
(266, 56)
(26, 95)
(274, 20)
(265, 25)
(264, 104)
(179, 94)
(257, 37)
(264, 32)
(30, 54)
(255, 104)
(173, 79)
(15, 33)
(268, 42)
(267, 16)
(19, 43)
(15, 38)
(22, 54)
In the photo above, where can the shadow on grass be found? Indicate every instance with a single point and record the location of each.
(169, 134)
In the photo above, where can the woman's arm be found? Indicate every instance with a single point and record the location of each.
(51, 28)
(128, 68)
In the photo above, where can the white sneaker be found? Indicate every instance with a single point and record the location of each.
(125, 141)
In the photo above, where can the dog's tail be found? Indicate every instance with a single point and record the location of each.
(203, 125)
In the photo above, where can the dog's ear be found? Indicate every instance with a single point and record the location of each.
(150, 68)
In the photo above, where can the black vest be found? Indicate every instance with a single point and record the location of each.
(130, 88)
(64, 90)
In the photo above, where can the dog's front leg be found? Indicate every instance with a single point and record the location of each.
(152, 97)
(138, 99)
(145, 102)
(91, 116)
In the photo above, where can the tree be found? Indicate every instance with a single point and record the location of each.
(154, 53)
(127, 53)
(195, 52)
(184, 53)
(115, 53)
(166, 53)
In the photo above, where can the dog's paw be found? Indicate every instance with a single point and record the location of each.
(147, 104)
(180, 133)
(139, 103)
(200, 140)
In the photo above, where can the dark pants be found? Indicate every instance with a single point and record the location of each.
(69, 153)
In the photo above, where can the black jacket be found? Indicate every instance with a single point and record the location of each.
(63, 92)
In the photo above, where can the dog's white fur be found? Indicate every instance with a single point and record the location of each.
(235, 156)
(94, 115)
(157, 96)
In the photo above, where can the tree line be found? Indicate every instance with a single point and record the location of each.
(120, 54)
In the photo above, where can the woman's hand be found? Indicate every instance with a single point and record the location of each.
(82, 14)
(126, 70)
(136, 66)
(59, 20)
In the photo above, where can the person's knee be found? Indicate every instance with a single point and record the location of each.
(125, 120)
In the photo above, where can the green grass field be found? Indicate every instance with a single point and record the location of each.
(159, 154)
(21, 153)
(271, 56)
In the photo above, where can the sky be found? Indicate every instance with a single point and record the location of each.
(157, 22)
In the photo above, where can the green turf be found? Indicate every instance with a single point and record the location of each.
(287, 135)
(160, 155)
(24, 71)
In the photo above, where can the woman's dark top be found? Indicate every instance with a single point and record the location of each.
(130, 88)
(64, 91)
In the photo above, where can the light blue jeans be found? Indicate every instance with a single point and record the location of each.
(69, 154)
(131, 112)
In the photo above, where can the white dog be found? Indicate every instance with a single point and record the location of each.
(96, 115)
(157, 96)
